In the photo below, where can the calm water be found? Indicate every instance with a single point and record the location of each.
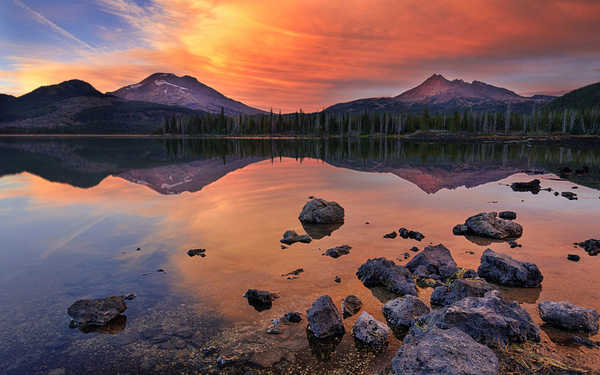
(74, 211)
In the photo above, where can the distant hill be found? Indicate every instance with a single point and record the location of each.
(186, 91)
(585, 97)
(437, 93)
(77, 107)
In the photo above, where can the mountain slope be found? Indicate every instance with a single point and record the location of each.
(584, 97)
(77, 107)
(437, 93)
(186, 91)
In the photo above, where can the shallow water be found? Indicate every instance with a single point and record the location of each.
(75, 210)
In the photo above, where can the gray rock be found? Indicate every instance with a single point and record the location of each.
(351, 305)
(573, 257)
(319, 211)
(459, 289)
(370, 332)
(292, 317)
(437, 262)
(591, 246)
(400, 313)
(444, 352)
(291, 237)
(196, 252)
(275, 328)
(96, 312)
(490, 226)
(469, 274)
(504, 270)
(415, 235)
(568, 316)
(507, 215)
(390, 235)
(324, 318)
(338, 251)
(490, 320)
(260, 299)
(403, 232)
(385, 273)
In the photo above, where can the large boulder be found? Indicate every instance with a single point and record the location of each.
(291, 237)
(490, 320)
(400, 313)
(567, 316)
(433, 262)
(96, 312)
(504, 270)
(319, 211)
(324, 318)
(444, 352)
(383, 272)
(447, 295)
(370, 332)
(487, 224)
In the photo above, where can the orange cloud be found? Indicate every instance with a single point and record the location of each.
(311, 53)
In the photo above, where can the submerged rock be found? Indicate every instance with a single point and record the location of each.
(96, 312)
(434, 262)
(319, 211)
(568, 316)
(370, 332)
(591, 246)
(531, 186)
(444, 352)
(507, 215)
(196, 252)
(400, 313)
(490, 320)
(504, 270)
(291, 237)
(338, 251)
(260, 299)
(295, 272)
(490, 226)
(587, 342)
(385, 273)
(324, 318)
(351, 305)
(459, 289)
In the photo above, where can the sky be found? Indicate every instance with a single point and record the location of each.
(305, 54)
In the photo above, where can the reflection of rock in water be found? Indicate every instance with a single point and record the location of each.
(382, 294)
(318, 231)
(522, 295)
(482, 241)
(558, 336)
(322, 349)
(116, 325)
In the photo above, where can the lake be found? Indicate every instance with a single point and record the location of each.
(86, 217)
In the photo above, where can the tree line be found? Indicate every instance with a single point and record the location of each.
(538, 122)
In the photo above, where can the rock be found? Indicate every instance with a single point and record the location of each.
(370, 332)
(568, 316)
(275, 328)
(415, 235)
(569, 195)
(324, 318)
(291, 237)
(383, 272)
(490, 226)
(587, 342)
(96, 312)
(573, 257)
(283, 247)
(403, 232)
(351, 305)
(444, 352)
(591, 246)
(514, 244)
(336, 252)
(337, 279)
(437, 262)
(260, 299)
(415, 249)
(319, 211)
(504, 270)
(459, 289)
(129, 297)
(400, 313)
(490, 320)
(138, 249)
(295, 272)
(390, 235)
(532, 186)
(467, 274)
(507, 215)
(406, 255)
(292, 317)
(196, 252)
(319, 231)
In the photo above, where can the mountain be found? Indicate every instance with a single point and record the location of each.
(437, 93)
(584, 97)
(77, 107)
(186, 91)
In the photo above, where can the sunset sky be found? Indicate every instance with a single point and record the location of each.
(301, 54)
